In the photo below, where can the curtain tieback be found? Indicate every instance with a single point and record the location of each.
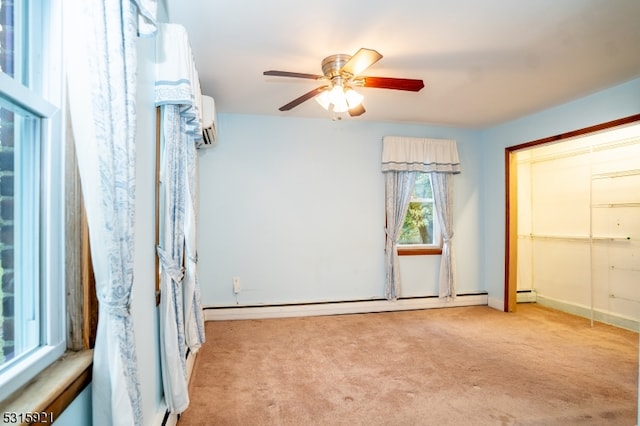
(386, 231)
(170, 266)
(119, 307)
(114, 300)
(390, 242)
(118, 310)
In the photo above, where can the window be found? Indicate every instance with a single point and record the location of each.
(420, 232)
(31, 191)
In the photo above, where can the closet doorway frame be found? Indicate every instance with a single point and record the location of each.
(511, 204)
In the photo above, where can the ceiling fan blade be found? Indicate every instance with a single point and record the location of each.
(357, 110)
(293, 74)
(362, 60)
(294, 103)
(393, 83)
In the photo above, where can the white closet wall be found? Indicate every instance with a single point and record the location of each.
(579, 225)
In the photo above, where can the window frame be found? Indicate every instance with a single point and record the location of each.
(37, 89)
(424, 249)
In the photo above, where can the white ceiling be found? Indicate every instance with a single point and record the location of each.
(483, 61)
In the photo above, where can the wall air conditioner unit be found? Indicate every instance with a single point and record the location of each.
(209, 130)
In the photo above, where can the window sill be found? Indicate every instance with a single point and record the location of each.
(55, 388)
(419, 251)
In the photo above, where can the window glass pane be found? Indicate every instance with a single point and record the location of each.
(19, 207)
(15, 33)
(422, 188)
(418, 227)
(7, 39)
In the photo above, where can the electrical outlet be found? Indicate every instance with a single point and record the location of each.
(236, 285)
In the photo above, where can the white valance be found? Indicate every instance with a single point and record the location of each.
(177, 81)
(419, 155)
(147, 13)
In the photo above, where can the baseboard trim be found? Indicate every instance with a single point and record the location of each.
(585, 312)
(497, 304)
(338, 308)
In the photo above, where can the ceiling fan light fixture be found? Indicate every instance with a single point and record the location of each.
(341, 107)
(341, 72)
(323, 100)
(339, 99)
(353, 98)
(336, 95)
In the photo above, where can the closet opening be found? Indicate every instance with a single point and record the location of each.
(573, 223)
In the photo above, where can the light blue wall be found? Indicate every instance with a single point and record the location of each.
(295, 208)
(282, 201)
(79, 412)
(607, 105)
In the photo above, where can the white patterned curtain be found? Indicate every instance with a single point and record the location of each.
(443, 198)
(440, 158)
(177, 93)
(193, 315)
(100, 53)
(398, 189)
(171, 253)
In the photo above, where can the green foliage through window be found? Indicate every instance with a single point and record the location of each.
(418, 227)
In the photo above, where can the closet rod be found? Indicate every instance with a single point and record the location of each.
(585, 238)
(582, 150)
(621, 173)
(613, 296)
(612, 267)
(613, 205)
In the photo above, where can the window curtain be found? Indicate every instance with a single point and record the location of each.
(171, 253)
(193, 315)
(100, 54)
(443, 198)
(398, 189)
(177, 93)
(402, 155)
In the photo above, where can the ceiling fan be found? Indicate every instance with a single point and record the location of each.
(342, 73)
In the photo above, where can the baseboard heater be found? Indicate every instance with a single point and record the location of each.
(526, 296)
(217, 313)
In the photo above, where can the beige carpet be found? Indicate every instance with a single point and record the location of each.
(454, 366)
